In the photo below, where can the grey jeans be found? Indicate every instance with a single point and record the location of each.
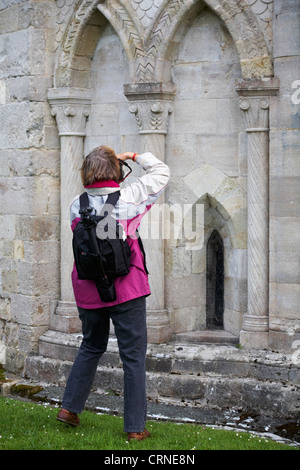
(129, 320)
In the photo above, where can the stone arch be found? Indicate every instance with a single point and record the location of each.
(225, 195)
(63, 72)
(148, 51)
(224, 204)
(240, 21)
(122, 20)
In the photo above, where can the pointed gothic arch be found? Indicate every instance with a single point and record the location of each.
(224, 204)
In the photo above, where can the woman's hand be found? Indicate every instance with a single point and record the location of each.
(126, 156)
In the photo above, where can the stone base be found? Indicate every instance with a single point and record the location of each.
(159, 334)
(284, 341)
(207, 336)
(254, 339)
(64, 317)
(159, 328)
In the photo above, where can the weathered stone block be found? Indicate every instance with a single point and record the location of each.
(174, 286)
(37, 228)
(9, 20)
(285, 200)
(194, 117)
(14, 122)
(30, 310)
(33, 88)
(29, 338)
(288, 6)
(286, 44)
(284, 153)
(189, 318)
(38, 278)
(103, 119)
(5, 313)
(38, 14)
(284, 267)
(221, 149)
(284, 234)
(9, 282)
(285, 300)
(14, 48)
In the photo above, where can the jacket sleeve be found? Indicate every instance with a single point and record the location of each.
(148, 187)
(74, 213)
(144, 191)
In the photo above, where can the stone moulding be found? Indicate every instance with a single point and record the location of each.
(151, 103)
(71, 107)
(148, 49)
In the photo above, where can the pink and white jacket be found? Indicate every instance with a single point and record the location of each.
(134, 202)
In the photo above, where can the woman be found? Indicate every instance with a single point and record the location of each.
(101, 175)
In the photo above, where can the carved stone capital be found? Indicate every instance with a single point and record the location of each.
(257, 115)
(71, 107)
(151, 116)
(255, 101)
(151, 103)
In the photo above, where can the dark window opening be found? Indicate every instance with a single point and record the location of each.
(215, 281)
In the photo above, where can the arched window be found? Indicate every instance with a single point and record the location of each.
(215, 281)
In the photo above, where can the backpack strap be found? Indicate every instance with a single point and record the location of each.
(85, 203)
(111, 200)
(143, 252)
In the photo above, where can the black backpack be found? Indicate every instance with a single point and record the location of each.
(100, 247)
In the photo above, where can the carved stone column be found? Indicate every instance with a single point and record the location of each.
(151, 103)
(255, 96)
(71, 107)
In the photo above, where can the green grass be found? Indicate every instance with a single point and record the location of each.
(25, 425)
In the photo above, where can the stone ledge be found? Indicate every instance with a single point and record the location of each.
(179, 357)
(208, 336)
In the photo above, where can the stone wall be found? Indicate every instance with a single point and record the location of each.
(177, 62)
(29, 177)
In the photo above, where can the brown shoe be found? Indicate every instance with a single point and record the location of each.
(138, 436)
(68, 417)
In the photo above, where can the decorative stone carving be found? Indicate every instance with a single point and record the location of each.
(264, 10)
(151, 117)
(148, 45)
(71, 107)
(146, 10)
(151, 103)
(70, 120)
